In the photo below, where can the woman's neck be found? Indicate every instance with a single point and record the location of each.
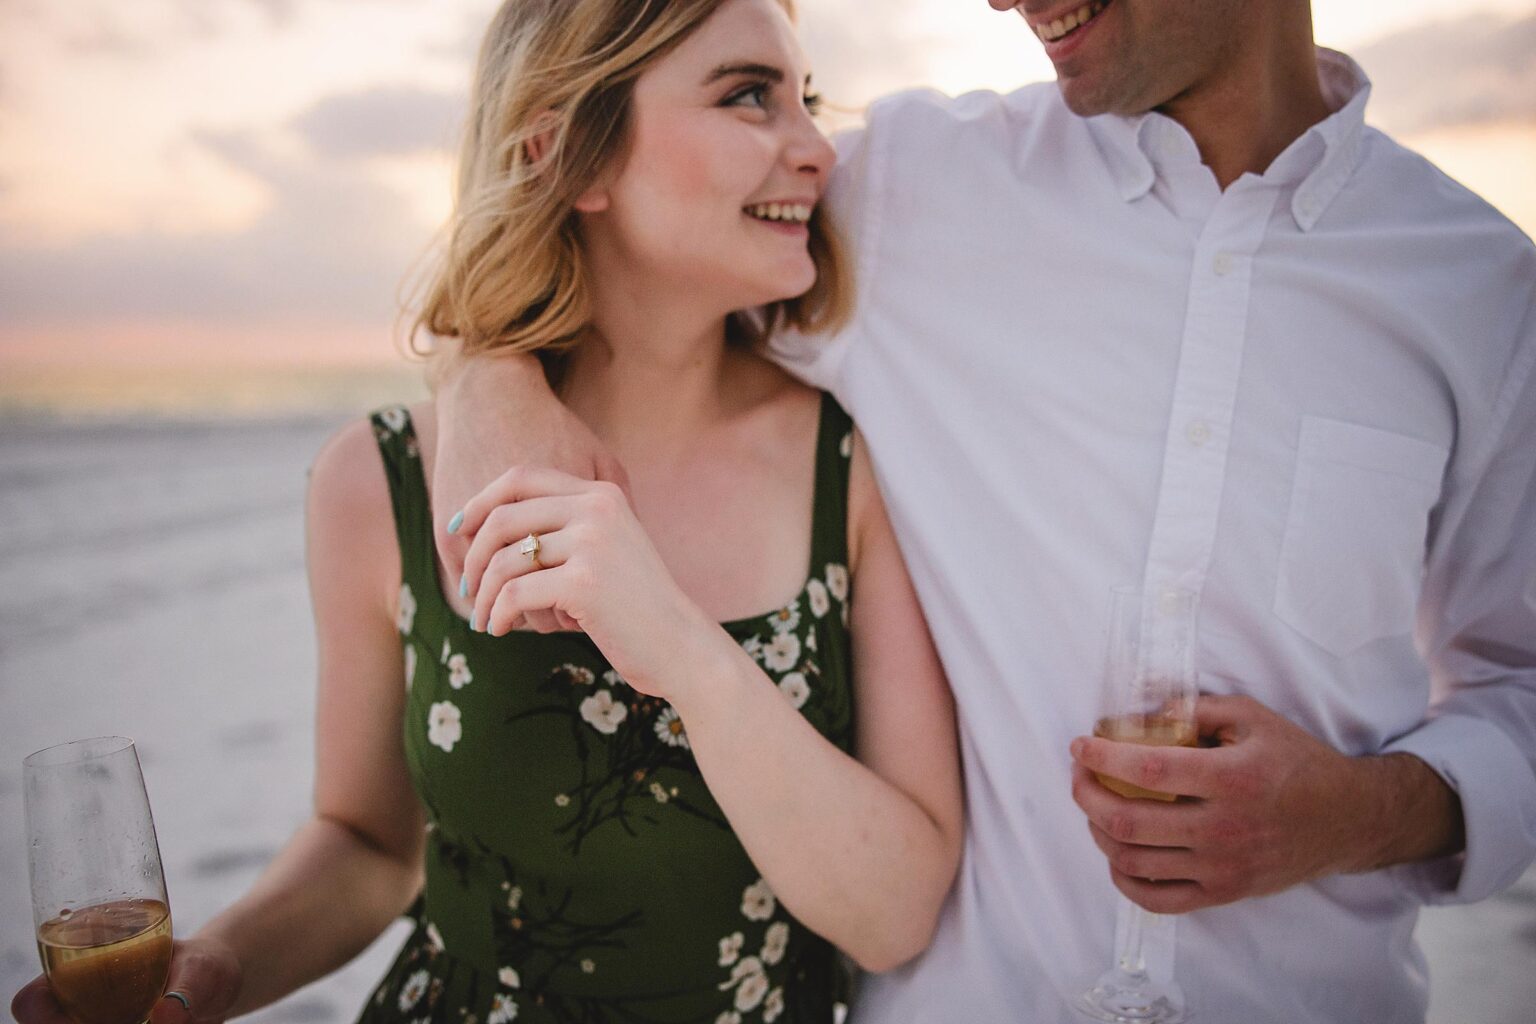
(650, 376)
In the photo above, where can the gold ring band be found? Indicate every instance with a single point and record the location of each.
(531, 547)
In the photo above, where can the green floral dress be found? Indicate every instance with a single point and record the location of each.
(577, 867)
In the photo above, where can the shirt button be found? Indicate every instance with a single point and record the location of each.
(1222, 264)
(1198, 432)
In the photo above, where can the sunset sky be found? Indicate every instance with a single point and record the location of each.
(249, 181)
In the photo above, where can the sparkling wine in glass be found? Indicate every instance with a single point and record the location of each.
(1149, 699)
(103, 922)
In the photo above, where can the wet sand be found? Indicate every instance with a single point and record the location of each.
(152, 584)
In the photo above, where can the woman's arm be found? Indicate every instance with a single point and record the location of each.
(356, 864)
(862, 851)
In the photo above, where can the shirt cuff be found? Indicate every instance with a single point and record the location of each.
(1497, 788)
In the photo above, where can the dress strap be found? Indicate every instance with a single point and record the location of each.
(401, 451)
(834, 458)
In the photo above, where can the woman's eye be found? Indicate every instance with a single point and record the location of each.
(751, 96)
(812, 103)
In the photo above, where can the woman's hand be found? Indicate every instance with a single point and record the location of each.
(596, 567)
(206, 973)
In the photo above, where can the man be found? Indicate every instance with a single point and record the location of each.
(1183, 322)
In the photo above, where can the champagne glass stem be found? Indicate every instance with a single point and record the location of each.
(1132, 953)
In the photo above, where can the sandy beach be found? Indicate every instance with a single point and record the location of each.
(152, 585)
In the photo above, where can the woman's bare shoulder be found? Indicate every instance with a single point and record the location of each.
(350, 515)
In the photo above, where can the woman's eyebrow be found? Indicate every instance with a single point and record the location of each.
(748, 68)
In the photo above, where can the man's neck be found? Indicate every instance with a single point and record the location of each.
(1261, 101)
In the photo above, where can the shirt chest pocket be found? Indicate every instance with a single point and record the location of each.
(1352, 559)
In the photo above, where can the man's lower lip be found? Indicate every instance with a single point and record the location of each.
(784, 227)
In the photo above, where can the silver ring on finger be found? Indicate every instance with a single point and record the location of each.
(180, 997)
(531, 547)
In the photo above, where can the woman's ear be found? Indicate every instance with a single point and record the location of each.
(541, 137)
(593, 200)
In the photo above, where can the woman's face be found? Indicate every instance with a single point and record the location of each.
(723, 168)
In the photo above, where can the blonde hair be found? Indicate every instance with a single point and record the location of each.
(511, 276)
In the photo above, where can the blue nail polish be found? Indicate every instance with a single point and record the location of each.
(456, 522)
(463, 586)
(472, 625)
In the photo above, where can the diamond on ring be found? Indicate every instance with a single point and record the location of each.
(530, 547)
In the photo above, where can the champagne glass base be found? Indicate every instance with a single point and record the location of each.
(1121, 997)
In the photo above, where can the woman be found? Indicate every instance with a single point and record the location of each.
(656, 815)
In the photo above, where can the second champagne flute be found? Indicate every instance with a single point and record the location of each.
(98, 894)
(1149, 698)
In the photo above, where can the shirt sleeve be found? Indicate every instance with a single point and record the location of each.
(1478, 621)
(817, 359)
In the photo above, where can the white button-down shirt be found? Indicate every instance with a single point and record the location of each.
(1079, 364)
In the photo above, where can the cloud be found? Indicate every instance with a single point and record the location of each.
(857, 56)
(1472, 70)
(332, 244)
(386, 121)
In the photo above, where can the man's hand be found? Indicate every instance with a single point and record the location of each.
(1270, 807)
(494, 412)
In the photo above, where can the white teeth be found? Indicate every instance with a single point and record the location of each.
(794, 213)
(1074, 20)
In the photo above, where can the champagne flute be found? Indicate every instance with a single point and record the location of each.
(1148, 698)
(98, 893)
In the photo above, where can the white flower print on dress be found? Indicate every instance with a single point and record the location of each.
(660, 793)
(410, 994)
(562, 800)
(578, 675)
(603, 713)
(782, 653)
(786, 618)
(753, 645)
(730, 948)
(458, 672)
(728, 1017)
(773, 1005)
(410, 665)
(435, 937)
(509, 978)
(443, 726)
(775, 942)
(837, 580)
(754, 984)
(757, 901)
(816, 597)
(612, 678)
(514, 899)
(588, 966)
(845, 446)
(810, 640)
(669, 728)
(795, 689)
(405, 616)
(503, 1009)
(394, 418)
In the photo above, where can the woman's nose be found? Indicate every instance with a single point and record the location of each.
(810, 151)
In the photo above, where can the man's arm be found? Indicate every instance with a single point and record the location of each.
(494, 412)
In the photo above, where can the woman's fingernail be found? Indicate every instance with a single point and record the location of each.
(472, 626)
(463, 586)
(456, 522)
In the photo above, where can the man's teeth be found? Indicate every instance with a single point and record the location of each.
(793, 212)
(1061, 26)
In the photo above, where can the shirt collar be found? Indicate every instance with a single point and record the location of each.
(1317, 164)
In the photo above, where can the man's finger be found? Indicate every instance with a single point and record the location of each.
(1149, 863)
(1225, 717)
(516, 484)
(36, 1004)
(1139, 822)
(1161, 897)
(1182, 771)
